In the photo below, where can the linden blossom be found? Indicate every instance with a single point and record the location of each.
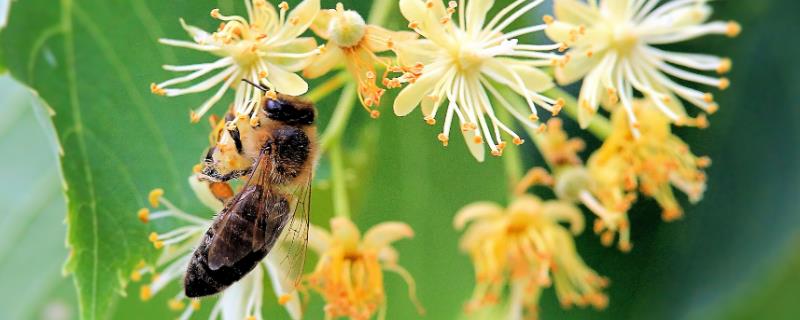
(264, 49)
(463, 60)
(612, 49)
(525, 249)
(356, 43)
(349, 274)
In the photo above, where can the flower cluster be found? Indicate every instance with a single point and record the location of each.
(524, 248)
(471, 65)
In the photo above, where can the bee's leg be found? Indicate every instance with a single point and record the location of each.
(291, 150)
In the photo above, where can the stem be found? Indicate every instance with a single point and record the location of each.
(328, 87)
(341, 115)
(600, 127)
(341, 205)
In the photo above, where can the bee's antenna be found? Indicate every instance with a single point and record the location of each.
(262, 88)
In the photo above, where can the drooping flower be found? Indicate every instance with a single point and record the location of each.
(613, 49)
(265, 49)
(349, 274)
(355, 43)
(464, 60)
(525, 248)
(651, 165)
(243, 299)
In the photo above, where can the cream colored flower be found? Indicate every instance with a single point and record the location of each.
(613, 49)
(349, 274)
(650, 165)
(525, 248)
(464, 58)
(243, 299)
(264, 49)
(355, 43)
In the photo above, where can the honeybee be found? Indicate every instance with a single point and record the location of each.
(276, 149)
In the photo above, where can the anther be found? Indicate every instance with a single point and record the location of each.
(284, 6)
(156, 90)
(136, 276)
(477, 139)
(194, 117)
(374, 114)
(175, 304)
(195, 304)
(284, 298)
(144, 215)
(155, 196)
(733, 29)
(215, 13)
(517, 141)
(145, 293)
(708, 97)
(430, 121)
(724, 83)
(548, 19)
(724, 66)
(443, 138)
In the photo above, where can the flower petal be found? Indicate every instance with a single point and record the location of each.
(298, 46)
(283, 281)
(327, 60)
(575, 12)
(410, 96)
(476, 149)
(382, 235)
(322, 22)
(377, 38)
(345, 232)
(427, 19)
(286, 82)
(476, 211)
(319, 239)
(565, 212)
(300, 19)
(578, 66)
(510, 72)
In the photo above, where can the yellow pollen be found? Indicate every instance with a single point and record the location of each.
(589, 53)
(144, 215)
(562, 47)
(194, 117)
(153, 237)
(733, 29)
(175, 304)
(712, 108)
(145, 293)
(284, 298)
(195, 304)
(158, 244)
(155, 196)
(477, 139)
(156, 90)
(136, 276)
(724, 83)
(724, 66)
(413, 25)
(272, 95)
(197, 168)
(443, 138)
(542, 128)
(548, 19)
(262, 74)
(429, 4)
(254, 122)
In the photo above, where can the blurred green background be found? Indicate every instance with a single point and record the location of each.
(735, 255)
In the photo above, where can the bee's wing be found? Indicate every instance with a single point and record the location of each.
(239, 227)
(295, 238)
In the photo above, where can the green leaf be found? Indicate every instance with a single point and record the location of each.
(92, 66)
(31, 227)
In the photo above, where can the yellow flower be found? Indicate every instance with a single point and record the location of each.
(241, 300)
(526, 249)
(352, 41)
(613, 48)
(464, 60)
(264, 49)
(650, 165)
(349, 274)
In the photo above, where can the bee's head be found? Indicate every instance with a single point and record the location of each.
(287, 109)
(290, 110)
